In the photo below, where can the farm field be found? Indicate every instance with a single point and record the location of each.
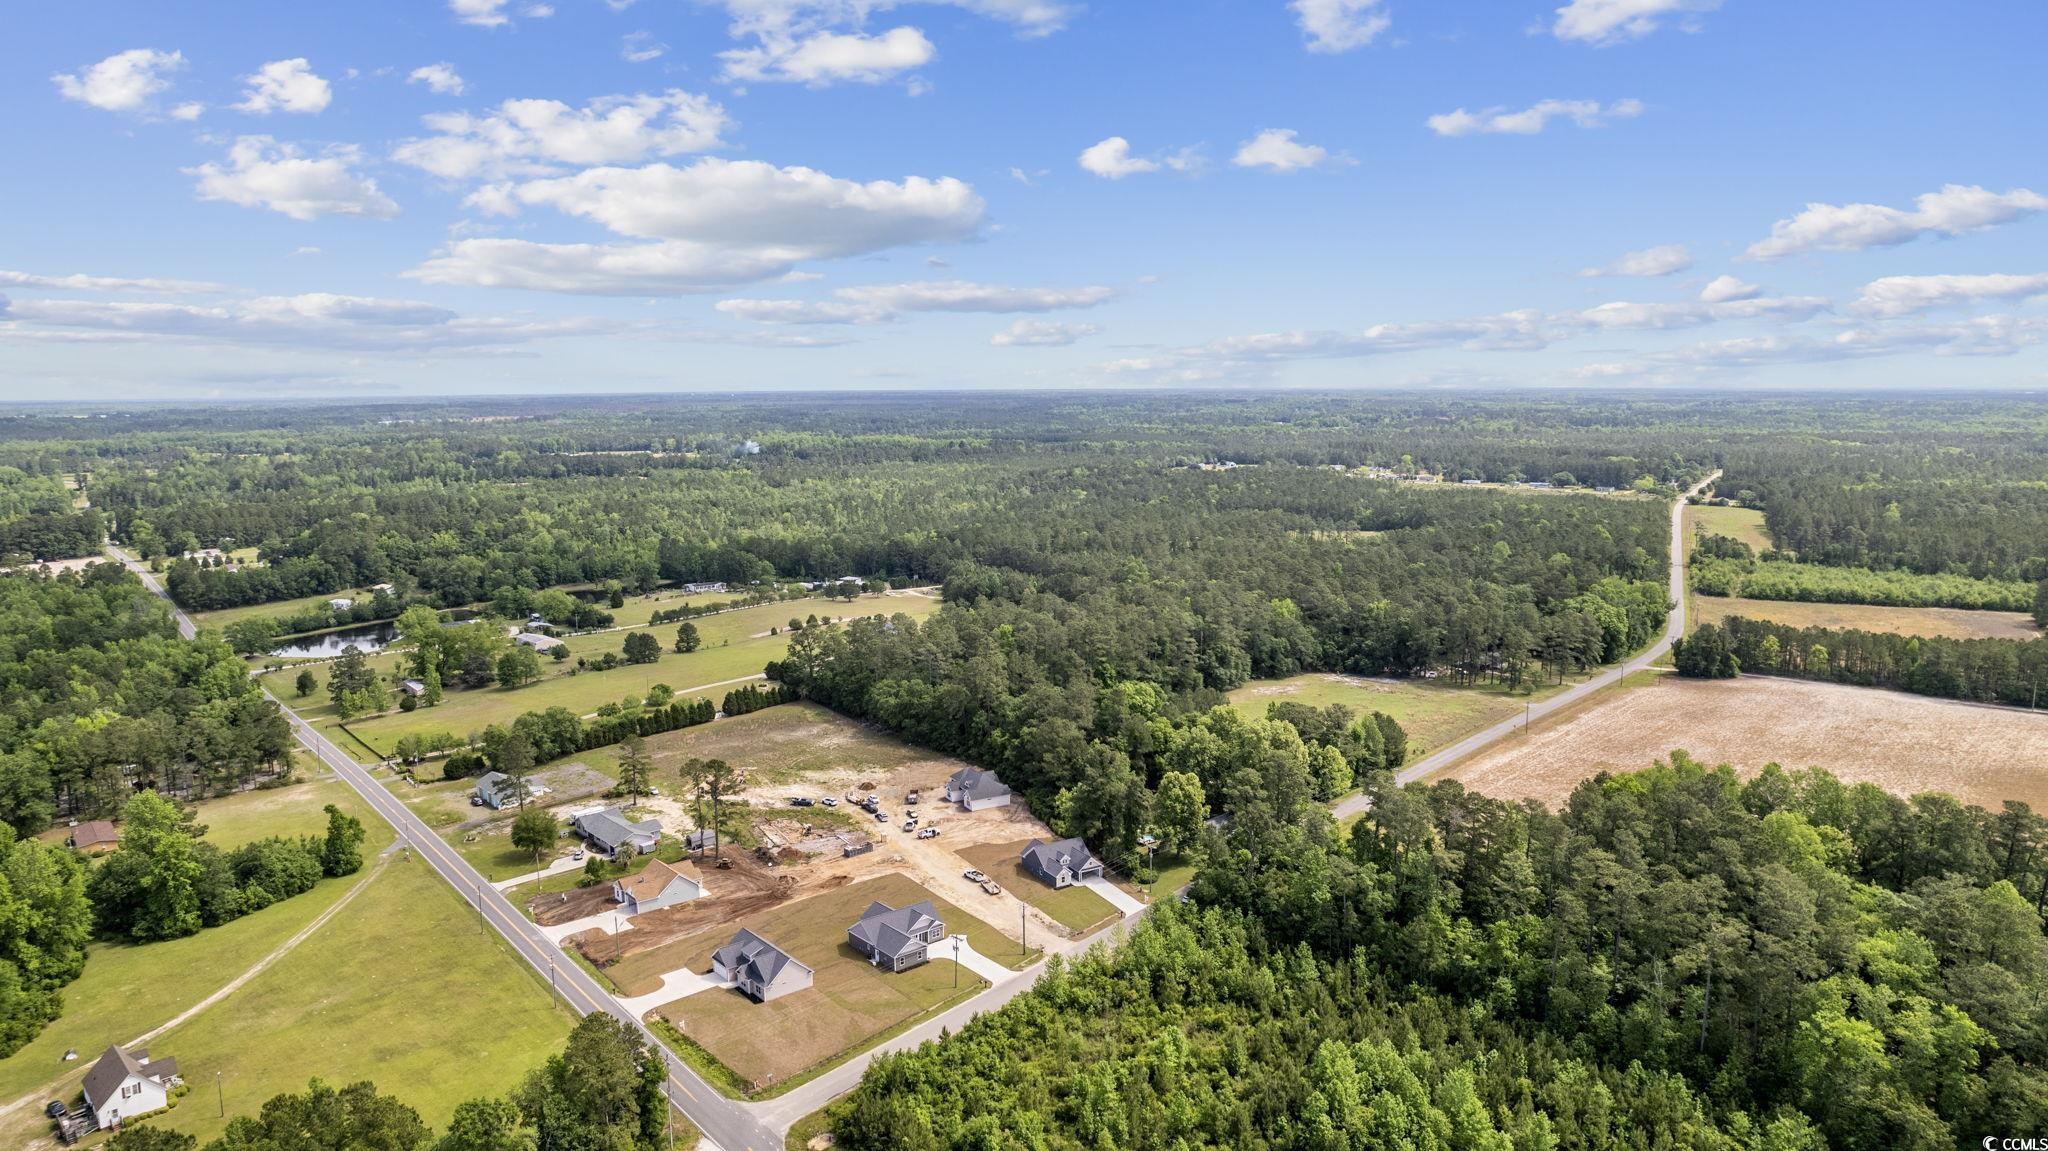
(1434, 716)
(735, 646)
(1903, 743)
(1076, 908)
(1955, 623)
(402, 987)
(1745, 524)
(849, 1003)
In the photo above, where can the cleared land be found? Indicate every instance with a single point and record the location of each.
(848, 1003)
(1903, 743)
(1955, 623)
(1745, 524)
(1077, 908)
(784, 744)
(1434, 716)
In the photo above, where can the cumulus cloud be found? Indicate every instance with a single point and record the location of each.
(1112, 159)
(1533, 119)
(714, 224)
(285, 86)
(1953, 211)
(1903, 295)
(823, 58)
(1277, 149)
(538, 137)
(1340, 25)
(80, 282)
(1727, 289)
(1606, 22)
(1667, 260)
(482, 13)
(876, 303)
(262, 173)
(124, 82)
(440, 78)
(1041, 334)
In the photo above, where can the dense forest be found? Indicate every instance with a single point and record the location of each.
(1674, 959)
(2007, 671)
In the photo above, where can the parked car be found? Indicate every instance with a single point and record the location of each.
(55, 1109)
(828, 801)
(972, 875)
(800, 801)
(910, 825)
(928, 833)
(579, 854)
(881, 817)
(912, 797)
(476, 801)
(991, 886)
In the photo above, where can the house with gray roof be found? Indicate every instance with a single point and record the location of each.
(500, 791)
(758, 967)
(896, 937)
(125, 1085)
(976, 790)
(608, 829)
(537, 641)
(1061, 863)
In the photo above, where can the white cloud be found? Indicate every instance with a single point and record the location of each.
(124, 82)
(1667, 260)
(877, 303)
(1041, 334)
(823, 58)
(262, 173)
(1728, 289)
(1605, 22)
(715, 224)
(1954, 210)
(440, 78)
(1982, 336)
(1112, 159)
(84, 283)
(285, 86)
(1340, 25)
(1903, 295)
(1276, 148)
(316, 319)
(190, 110)
(640, 47)
(482, 13)
(1533, 119)
(535, 137)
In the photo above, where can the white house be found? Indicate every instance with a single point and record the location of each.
(658, 885)
(977, 790)
(123, 1086)
(340, 604)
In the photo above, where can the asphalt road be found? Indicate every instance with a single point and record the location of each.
(1674, 627)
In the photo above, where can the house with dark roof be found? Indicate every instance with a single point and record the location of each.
(896, 937)
(500, 791)
(608, 829)
(658, 885)
(702, 839)
(95, 836)
(758, 967)
(124, 1085)
(976, 790)
(1061, 863)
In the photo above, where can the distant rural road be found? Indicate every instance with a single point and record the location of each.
(1673, 628)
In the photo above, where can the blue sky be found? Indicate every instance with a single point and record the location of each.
(252, 200)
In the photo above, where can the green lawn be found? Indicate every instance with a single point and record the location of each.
(291, 810)
(1076, 908)
(849, 1003)
(732, 649)
(786, 742)
(1433, 713)
(403, 987)
(1745, 524)
(283, 607)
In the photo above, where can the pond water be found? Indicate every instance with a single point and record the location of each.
(370, 637)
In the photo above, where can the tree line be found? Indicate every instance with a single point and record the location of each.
(2004, 671)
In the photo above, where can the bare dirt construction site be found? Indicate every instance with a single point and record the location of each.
(1903, 743)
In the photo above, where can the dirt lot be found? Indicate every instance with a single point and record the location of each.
(1903, 743)
(1944, 621)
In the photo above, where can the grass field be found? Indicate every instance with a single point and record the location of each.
(849, 1002)
(1745, 524)
(403, 987)
(294, 809)
(734, 646)
(283, 607)
(1434, 716)
(1943, 621)
(780, 743)
(1077, 909)
(1904, 743)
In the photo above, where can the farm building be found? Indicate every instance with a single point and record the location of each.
(1061, 863)
(537, 641)
(896, 937)
(124, 1085)
(758, 967)
(658, 885)
(977, 790)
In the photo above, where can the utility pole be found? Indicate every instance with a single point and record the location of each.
(956, 963)
(1023, 929)
(220, 1094)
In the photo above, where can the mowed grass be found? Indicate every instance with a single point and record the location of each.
(1076, 908)
(1433, 714)
(402, 987)
(785, 742)
(292, 810)
(1745, 524)
(848, 1003)
(733, 649)
(283, 607)
(1954, 623)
